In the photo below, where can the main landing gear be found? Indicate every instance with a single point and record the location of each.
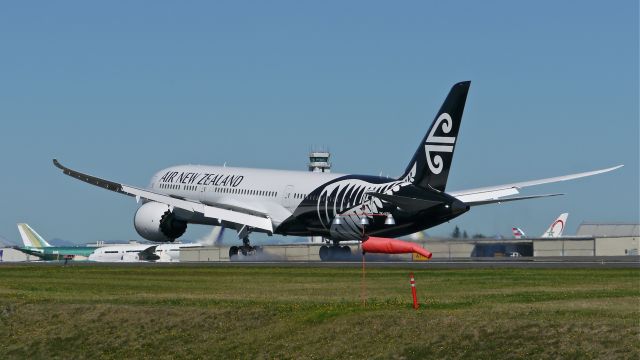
(246, 249)
(335, 253)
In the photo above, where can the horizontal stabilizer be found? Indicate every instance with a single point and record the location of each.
(493, 201)
(406, 203)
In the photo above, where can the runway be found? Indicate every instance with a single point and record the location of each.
(479, 263)
(550, 263)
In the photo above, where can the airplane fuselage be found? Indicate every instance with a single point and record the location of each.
(59, 252)
(304, 203)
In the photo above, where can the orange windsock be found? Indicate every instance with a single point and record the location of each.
(393, 246)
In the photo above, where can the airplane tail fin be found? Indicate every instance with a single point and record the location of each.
(214, 238)
(430, 165)
(518, 233)
(31, 238)
(556, 228)
(219, 235)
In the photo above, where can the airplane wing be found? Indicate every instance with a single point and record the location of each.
(497, 194)
(234, 216)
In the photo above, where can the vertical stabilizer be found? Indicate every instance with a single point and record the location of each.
(556, 228)
(429, 167)
(31, 238)
(214, 238)
(518, 233)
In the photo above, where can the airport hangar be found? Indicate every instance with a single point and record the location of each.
(592, 239)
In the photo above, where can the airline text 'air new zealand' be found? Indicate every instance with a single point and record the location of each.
(317, 204)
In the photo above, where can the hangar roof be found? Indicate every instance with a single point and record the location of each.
(611, 229)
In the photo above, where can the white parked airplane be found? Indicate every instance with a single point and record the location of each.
(554, 231)
(149, 253)
(125, 253)
(335, 206)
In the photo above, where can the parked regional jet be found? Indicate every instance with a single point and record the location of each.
(335, 206)
(554, 231)
(36, 245)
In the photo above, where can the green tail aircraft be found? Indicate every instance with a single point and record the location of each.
(35, 245)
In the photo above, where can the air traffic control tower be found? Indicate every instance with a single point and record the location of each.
(319, 162)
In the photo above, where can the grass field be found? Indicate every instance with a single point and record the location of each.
(281, 312)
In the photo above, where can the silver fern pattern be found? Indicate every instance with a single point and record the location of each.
(349, 199)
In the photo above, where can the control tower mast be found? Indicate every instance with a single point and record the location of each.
(319, 162)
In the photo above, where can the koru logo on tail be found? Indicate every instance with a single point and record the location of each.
(439, 144)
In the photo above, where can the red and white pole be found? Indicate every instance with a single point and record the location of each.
(413, 291)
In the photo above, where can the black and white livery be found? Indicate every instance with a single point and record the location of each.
(307, 204)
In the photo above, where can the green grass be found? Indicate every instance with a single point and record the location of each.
(282, 312)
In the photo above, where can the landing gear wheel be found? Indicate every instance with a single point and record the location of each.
(324, 253)
(246, 249)
(233, 251)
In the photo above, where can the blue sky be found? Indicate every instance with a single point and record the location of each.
(122, 89)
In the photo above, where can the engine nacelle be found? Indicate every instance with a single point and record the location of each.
(154, 221)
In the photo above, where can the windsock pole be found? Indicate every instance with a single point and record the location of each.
(413, 291)
(363, 283)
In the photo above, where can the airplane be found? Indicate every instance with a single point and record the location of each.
(554, 231)
(36, 245)
(150, 252)
(338, 207)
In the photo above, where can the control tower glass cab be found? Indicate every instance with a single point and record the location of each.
(319, 161)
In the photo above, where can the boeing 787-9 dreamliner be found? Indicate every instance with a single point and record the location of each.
(337, 207)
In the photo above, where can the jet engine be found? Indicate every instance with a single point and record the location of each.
(156, 222)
